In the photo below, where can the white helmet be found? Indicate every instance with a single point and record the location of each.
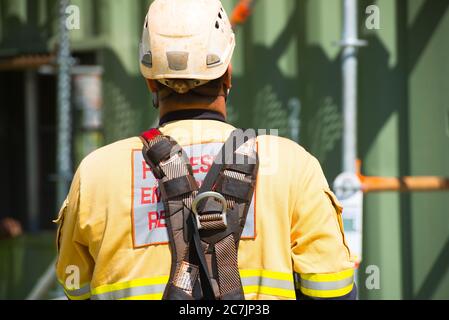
(186, 39)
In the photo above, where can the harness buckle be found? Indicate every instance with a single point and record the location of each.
(205, 195)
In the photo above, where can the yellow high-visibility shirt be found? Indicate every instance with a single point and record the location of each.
(112, 237)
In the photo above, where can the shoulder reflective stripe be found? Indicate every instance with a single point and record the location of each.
(129, 289)
(268, 283)
(328, 293)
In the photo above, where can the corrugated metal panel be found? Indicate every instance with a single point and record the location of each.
(286, 63)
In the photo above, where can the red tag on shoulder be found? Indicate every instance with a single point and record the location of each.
(151, 134)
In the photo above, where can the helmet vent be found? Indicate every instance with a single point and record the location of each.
(177, 60)
(213, 60)
(217, 25)
(147, 60)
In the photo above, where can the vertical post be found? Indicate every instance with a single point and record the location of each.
(347, 185)
(32, 150)
(349, 71)
(64, 145)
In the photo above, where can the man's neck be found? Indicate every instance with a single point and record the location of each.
(214, 104)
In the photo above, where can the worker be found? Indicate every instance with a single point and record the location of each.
(196, 209)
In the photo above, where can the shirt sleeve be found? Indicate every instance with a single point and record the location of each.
(74, 264)
(322, 260)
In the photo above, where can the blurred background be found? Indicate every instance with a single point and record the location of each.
(64, 94)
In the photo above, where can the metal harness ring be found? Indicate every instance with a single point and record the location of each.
(205, 195)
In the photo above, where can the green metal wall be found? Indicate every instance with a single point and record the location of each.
(287, 53)
(403, 126)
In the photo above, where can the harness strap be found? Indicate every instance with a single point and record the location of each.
(179, 186)
(228, 272)
(204, 234)
(162, 150)
(235, 188)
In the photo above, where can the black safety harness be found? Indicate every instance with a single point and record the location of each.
(204, 223)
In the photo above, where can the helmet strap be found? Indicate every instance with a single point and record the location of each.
(156, 99)
(226, 95)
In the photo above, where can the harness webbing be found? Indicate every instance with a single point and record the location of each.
(204, 225)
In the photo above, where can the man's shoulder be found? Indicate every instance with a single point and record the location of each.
(285, 159)
(283, 146)
(110, 154)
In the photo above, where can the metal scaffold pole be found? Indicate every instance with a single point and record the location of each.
(349, 70)
(64, 150)
(347, 185)
(64, 143)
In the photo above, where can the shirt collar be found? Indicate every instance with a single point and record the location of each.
(194, 114)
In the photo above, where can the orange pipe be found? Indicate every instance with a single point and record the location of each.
(403, 184)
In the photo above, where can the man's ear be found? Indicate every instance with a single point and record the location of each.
(152, 85)
(228, 78)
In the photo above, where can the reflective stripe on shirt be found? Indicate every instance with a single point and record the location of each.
(330, 285)
(276, 284)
